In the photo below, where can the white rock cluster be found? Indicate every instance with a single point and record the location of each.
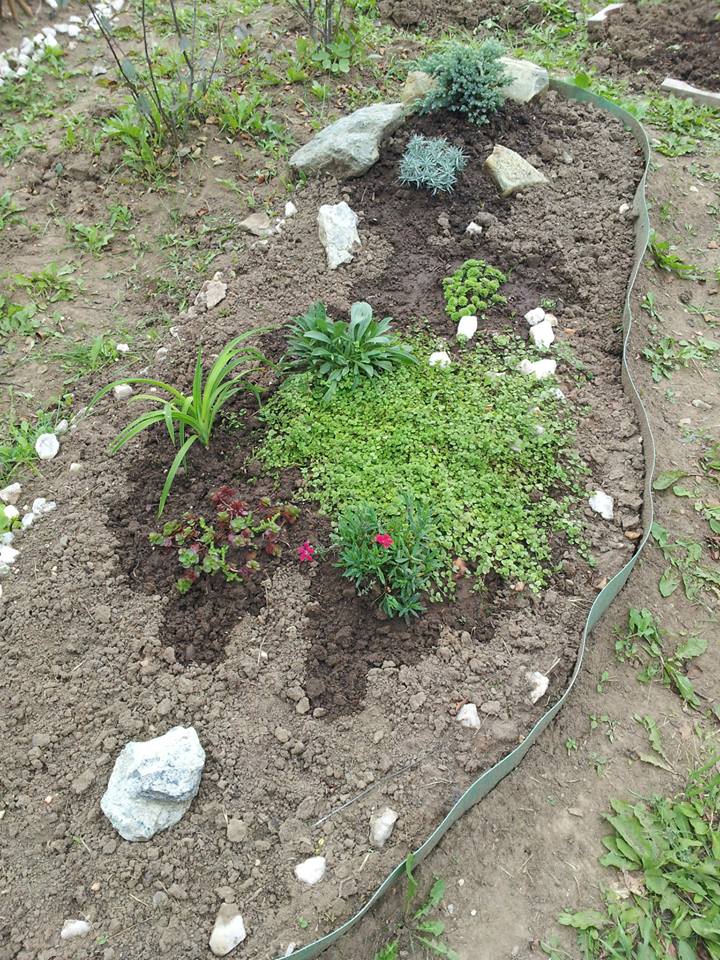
(153, 783)
(15, 61)
(541, 327)
(17, 522)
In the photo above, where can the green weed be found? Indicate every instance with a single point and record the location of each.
(91, 237)
(17, 319)
(16, 139)
(664, 259)
(668, 354)
(9, 211)
(52, 284)
(684, 558)
(667, 901)
(17, 439)
(85, 359)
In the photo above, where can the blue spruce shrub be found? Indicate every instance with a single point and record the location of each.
(431, 162)
(470, 80)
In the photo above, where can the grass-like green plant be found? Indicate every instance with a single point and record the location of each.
(432, 163)
(9, 210)
(492, 456)
(664, 259)
(344, 353)
(473, 289)
(52, 284)
(18, 436)
(469, 80)
(248, 114)
(398, 557)
(189, 418)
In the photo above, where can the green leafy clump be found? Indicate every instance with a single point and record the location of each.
(17, 319)
(344, 353)
(663, 257)
(431, 162)
(491, 455)
(233, 544)
(473, 289)
(669, 902)
(398, 558)
(192, 417)
(469, 80)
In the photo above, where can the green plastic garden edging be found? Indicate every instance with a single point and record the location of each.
(485, 783)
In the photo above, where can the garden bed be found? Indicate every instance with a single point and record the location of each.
(304, 697)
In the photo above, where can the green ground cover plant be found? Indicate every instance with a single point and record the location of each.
(398, 557)
(18, 436)
(665, 901)
(189, 418)
(470, 80)
(343, 352)
(473, 289)
(432, 163)
(487, 449)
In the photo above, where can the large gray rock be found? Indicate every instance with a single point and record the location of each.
(351, 145)
(153, 783)
(337, 227)
(511, 172)
(527, 80)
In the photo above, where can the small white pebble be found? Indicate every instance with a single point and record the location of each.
(28, 520)
(290, 209)
(122, 391)
(467, 328)
(47, 446)
(538, 685)
(11, 493)
(474, 229)
(11, 512)
(439, 359)
(8, 555)
(540, 368)
(467, 716)
(122, 347)
(61, 428)
(75, 468)
(535, 316)
(542, 334)
(601, 503)
(74, 928)
(311, 871)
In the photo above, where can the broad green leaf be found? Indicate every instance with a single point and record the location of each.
(692, 647)
(584, 920)
(667, 479)
(669, 582)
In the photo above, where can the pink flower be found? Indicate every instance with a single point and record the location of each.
(306, 552)
(384, 539)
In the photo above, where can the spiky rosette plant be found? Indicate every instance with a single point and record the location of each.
(431, 162)
(468, 79)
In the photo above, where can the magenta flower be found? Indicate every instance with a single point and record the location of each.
(384, 539)
(306, 551)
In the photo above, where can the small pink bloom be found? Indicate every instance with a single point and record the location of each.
(306, 552)
(384, 539)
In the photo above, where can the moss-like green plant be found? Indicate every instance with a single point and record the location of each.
(492, 456)
(469, 80)
(431, 162)
(473, 289)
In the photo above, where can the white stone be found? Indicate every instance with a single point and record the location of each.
(47, 446)
(311, 871)
(679, 88)
(74, 928)
(28, 520)
(511, 172)
(474, 229)
(337, 226)
(351, 145)
(8, 555)
(537, 315)
(215, 292)
(229, 930)
(75, 468)
(601, 503)
(602, 15)
(558, 394)
(527, 80)
(551, 319)
(11, 493)
(61, 428)
(290, 209)
(467, 328)
(381, 826)
(73, 30)
(6, 538)
(467, 716)
(122, 391)
(122, 347)
(153, 783)
(542, 334)
(42, 506)
(539, 368)
(11, 512)
(440, 358)
(538, 685)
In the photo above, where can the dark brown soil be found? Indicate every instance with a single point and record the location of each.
(680, 39)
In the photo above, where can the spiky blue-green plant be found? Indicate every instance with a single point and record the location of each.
(469, 80)
(431, 162)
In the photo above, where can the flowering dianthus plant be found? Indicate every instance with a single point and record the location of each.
(306, 552)
(398, 559)
(233, 543)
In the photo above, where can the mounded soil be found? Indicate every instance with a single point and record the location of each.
(657, 40)
(304, 700)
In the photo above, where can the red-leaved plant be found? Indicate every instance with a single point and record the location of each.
(233, 543)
